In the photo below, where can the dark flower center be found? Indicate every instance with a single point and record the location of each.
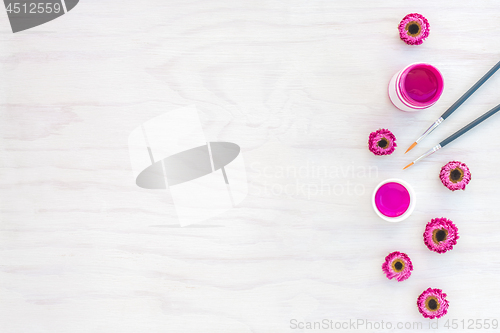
(413, 28)
(432, 303)
(398, 265)
(383, 143)
(440, 235)
(456, 175)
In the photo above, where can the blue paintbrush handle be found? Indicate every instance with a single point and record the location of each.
(470, 126)
(469, 92)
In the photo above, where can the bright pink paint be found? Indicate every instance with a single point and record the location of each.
(392, 199)
(422, 84)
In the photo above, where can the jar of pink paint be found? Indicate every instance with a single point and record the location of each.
(416, 87)
(393, 200)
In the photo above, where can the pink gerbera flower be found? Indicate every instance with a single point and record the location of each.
(397, 266)
(413, 29)
(432, 303)
(455, 175)
(382, 142)
(440, 235)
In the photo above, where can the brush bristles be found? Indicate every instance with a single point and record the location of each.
(411, 147)
(409, 165)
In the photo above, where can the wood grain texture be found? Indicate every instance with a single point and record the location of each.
(298, 85)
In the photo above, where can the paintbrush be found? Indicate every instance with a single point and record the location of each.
(457, 134)
(455, 106)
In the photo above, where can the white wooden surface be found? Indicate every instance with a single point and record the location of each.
(298, 85)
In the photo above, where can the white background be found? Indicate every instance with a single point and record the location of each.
(298, 85)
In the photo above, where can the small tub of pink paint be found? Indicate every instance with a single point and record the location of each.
(393, 200)
(416, 87)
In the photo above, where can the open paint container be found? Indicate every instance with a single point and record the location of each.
(393, 200)
(416, 87)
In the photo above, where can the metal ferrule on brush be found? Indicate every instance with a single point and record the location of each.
(430, 129)
(429, 152)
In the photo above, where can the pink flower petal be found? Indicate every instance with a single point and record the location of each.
(448, 171)
(403, 259)
(409, 38)
(439, 297)
(440, 235)
(382, 142)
